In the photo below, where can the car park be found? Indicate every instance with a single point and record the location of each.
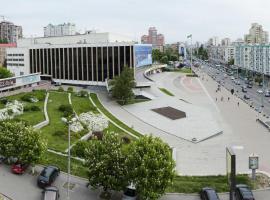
(50, 193)
(243, 192)
(208, 194)
(19, 168)
(48, 176)
(130, 193)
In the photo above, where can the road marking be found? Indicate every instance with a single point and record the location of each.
(208, 95)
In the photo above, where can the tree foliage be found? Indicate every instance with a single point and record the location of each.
(231, 62)
(21, 141)
(201, 53)
(164, 57)
(151, 166)
(122, 86)
(5, 73)
(106, 163)
(3, 41)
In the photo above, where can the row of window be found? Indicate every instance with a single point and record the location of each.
(14, 64)
(83, 63)
(9, 59)
(15, 54)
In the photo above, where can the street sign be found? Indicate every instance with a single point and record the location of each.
(253, 161)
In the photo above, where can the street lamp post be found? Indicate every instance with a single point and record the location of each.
(68, 122)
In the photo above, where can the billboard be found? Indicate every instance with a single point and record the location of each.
(143, 54)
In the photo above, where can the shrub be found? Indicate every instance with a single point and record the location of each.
(4, 100)
(97, 134)
(40, 95)
(27, 97)
(61, 89)
(26, 108)
(70, 89)
(35, 108)
(79, 148)
(82, 93)
(10, 111)
(66, 109)
(126, 139)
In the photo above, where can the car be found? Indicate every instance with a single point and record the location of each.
(232, 78)
(50, 193)
(47, 176)
(237, 82)
(19, 168)
(243, 192)
(208, 194)
(244, 89)
(267, 93)
(130, 193)
(260, 84)
(260, 91)
(249, 86)
(246, 96)
(2, 159)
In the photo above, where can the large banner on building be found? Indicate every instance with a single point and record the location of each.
(143, 54)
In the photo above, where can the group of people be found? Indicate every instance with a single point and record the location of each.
(222, 98)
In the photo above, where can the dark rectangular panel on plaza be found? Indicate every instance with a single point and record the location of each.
(170, 112)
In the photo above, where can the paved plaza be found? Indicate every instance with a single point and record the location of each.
(240, 129)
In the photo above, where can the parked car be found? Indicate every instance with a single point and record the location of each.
(208, 194)
(232, 78)
(2, 159)
(260, 91)
(130, 193)
(48, 176)
(267, 94)
(249, 86)
(242, 192)
(50, 193)
(244, 89)
(19, 168)
(246, 96)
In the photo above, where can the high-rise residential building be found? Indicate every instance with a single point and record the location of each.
(226, 42)
(253, 57)
(10, 32)
(256, 35)
(3, 48)
(59, 30)
(213, 41)
(157, 40)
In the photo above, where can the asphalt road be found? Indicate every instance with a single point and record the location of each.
(255, 97)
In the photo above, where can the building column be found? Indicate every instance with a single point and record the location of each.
(47, 57)
(59, 64)
(87, 65)
(68, 64)
(36, 69)
(77, 68)
(64, 64)
(130, 56)
(125, 56)
(82, 53)
(102, 66)
(119, 69)
(108, 70)
(97, 63)
(113, 60)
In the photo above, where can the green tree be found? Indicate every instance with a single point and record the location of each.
(21, 141)
(106, 163)
(164, 60)
(174, 58)
(156, 55)
(5, 73)
(122, 86)
(151, 167)
(231, 62)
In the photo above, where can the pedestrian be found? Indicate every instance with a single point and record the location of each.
(221, 98)
(216, 98)
(238, 103)
(228, 98)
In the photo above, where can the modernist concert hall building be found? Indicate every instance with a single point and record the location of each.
(87, 59)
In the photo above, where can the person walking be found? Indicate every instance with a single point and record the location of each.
(238, 103)
(221, 98)
(216, 98)
(228, 98)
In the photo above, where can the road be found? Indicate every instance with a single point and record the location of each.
(227, 82)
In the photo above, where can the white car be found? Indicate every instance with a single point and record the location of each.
(130, 193)
(260, 91)
(232, 78)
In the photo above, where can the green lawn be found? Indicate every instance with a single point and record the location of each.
(165, 91)
(110, 116)
(193, 184)
(77, 167)
(57, 142)
(82, 104)
(32, 117)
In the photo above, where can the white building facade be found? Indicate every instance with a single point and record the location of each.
(253, 57)
(221, 54)
(87, 59)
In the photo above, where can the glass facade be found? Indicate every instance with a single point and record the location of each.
(81, 63)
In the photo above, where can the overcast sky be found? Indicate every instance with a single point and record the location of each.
(174, 18)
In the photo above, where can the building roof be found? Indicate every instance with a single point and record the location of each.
(8, 45)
